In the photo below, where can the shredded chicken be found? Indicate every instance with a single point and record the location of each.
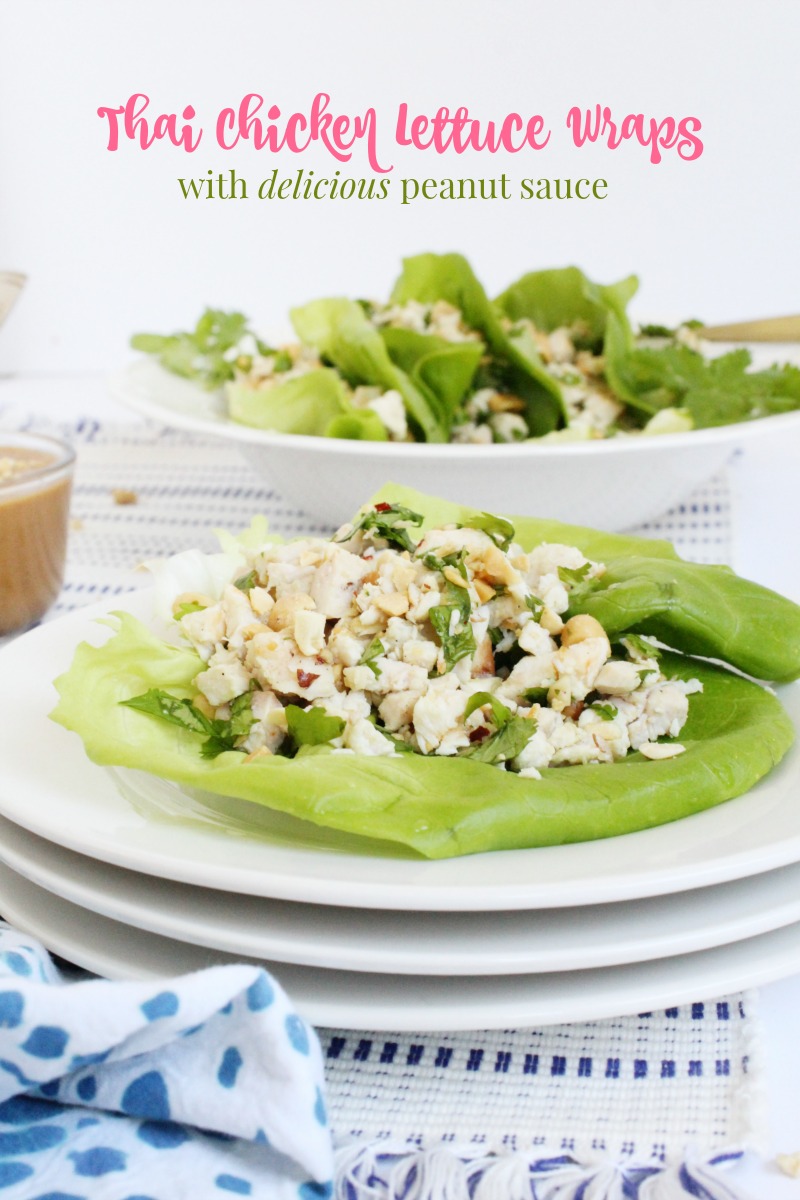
(458, 644)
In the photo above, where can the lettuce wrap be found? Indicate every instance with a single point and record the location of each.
(565, 297)
(431, 277)
(441, 807)
(554, 346)
(306, 404)
(340, 332)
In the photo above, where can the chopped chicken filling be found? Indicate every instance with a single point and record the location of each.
(457, 645)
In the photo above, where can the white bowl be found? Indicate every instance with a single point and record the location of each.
(612, 485)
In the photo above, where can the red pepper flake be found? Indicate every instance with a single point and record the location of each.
(478, 735)
(383, 507)
(305, 678)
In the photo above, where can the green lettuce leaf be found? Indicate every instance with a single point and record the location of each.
(649, 589)
(564, 297)
(358, 425)
(439, 807)
(447, 369)
(697, 609)
(341, 333)
(306, 404)
(431, 277)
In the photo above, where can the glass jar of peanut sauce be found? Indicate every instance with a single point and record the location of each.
(35, 485)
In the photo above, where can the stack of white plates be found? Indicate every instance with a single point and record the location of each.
(130, 877)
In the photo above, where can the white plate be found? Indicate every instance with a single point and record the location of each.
(330, 477)
(507, 943)
(50, 787)
(349, 1000)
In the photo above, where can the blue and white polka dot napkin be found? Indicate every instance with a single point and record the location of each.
(205, 1086)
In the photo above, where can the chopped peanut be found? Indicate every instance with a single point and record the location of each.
(261, 752)
(485, 591)
(454, 576)
(282, 615)
(551, 621)
(395, 604)
(580, 628)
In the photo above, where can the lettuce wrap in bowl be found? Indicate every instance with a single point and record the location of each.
(536, 399)
(447, 681)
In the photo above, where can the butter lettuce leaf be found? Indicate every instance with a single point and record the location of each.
(445, 368)
(306, 404)
(566, 297)
(438, 807)
(431, 277)
(341, 333)
(648, 588)
(358, 425)
(698, 609)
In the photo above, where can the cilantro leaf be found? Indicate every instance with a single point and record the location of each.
(638, 647)
(606, 712)
(460, 642)
(241, 718)
(500, 530)
(220, 735)
(656, 331)
(312, 726)
(214, 745)
(246, 582)
(203, 354)
(388, 521)
(401, 746)
(717, 391)
(535, 605)
(454, 595)
(434, 563)
(735, 395)
(535, 695)
(176, 711)
(458, 597)
(184, 610)
(572, 576)
(373, 651)
(500, 714)
(507, 743)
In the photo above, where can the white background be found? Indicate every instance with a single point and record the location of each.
(111, 247)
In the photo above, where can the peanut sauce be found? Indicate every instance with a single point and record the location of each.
(35, 485)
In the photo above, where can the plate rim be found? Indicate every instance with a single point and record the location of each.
(618, 991)
(114, 896)
(129, 385)
(436, 893)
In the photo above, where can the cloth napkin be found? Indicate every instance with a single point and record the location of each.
(209, 1085)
